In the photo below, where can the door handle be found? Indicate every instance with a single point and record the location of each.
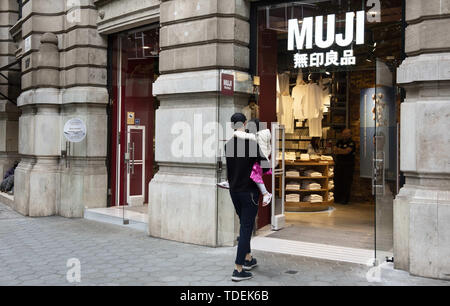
(132, 160)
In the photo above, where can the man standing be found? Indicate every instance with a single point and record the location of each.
(241, 154)
(345, 166)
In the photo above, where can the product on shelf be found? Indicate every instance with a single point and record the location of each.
(313, 198)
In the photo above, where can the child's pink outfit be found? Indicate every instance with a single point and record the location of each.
(257, 173)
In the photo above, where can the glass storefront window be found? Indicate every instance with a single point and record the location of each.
(327, 74)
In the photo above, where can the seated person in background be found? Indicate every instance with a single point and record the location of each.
(7, 184)
(314, 146)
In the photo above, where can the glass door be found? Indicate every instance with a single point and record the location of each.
(385, 176)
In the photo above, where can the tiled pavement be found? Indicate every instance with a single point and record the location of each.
(35, 251)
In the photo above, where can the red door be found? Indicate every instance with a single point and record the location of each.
(135, 63)
(267, 70)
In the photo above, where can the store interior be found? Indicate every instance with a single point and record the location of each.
(315, 104)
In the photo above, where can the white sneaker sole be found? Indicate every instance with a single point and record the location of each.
(249, 267)
(239, 279)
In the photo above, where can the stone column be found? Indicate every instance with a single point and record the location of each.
(199, 38)
(422, 209)
(9, 86)
(64, 76)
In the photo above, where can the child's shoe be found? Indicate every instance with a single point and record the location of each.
(223, 185)
(267, 199)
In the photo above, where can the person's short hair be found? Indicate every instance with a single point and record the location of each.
(253, 126)
(238, 120)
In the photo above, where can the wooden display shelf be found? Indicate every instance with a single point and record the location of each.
(306, 190)
(309, 163)
(306, 206)
(307, 177)
(324, 179)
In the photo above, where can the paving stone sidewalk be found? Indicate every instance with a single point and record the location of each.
(35, 251)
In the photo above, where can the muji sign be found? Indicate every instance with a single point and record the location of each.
(312, 31)
(227, 84)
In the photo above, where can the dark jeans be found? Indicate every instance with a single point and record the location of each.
(246, 205)
(343, 180)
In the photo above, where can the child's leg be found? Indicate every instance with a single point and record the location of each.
(262, 188)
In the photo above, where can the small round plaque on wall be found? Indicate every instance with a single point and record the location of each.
(75, 130)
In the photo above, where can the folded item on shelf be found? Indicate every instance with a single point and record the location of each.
(326, 157)
(292, 198)
(292, 186)
(304, 157)
(307, 185)
(330, 185)
(313, 198)
(287, 156)
(314, 157)
(312, 173)
(290, 156)
(292, 173)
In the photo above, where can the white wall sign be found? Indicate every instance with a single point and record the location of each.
(312, 31)
(75, 130)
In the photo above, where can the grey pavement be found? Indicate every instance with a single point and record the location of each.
(35, 251)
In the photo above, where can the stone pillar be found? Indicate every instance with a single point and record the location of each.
(9, 86)
(64, 76)
(422, 209)
(199, 38)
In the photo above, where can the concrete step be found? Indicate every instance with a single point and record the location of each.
(115, 215)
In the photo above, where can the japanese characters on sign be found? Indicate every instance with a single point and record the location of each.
(324, 59)
(303, 39)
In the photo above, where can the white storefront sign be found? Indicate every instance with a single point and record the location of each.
(312, 31)
(75, 130)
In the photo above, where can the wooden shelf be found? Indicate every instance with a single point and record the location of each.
(307, 207)
(307, 177)
(324, 192)
(306, 190)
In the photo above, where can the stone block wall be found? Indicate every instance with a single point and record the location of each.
(422, 209)
(199, 40)
(64, 75)
(9, 87)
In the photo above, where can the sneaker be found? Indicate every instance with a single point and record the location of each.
(224, 185)
(240, 276)
(248, 265)
(267, 199)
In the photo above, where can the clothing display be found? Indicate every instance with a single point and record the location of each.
(293, 186)
(304, 157)
(292, 173)
(313, 198)
(312, 173)
(315, 125)
(331, 184)
(292, 198)
(299, 94)
(309, 185)
(313, 101)
(286, 113)
(325, 157)
(331, 171)
(314, 157)
(330, 196)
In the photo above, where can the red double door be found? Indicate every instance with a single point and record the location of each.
(134, 68)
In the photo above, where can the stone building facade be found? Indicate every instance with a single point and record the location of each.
(63, 47)
(9, 87)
